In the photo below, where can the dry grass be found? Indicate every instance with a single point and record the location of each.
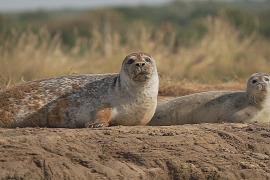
(221, 56)
(181, 88)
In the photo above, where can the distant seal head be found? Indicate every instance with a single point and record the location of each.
(252, 105)
(258, 88)
(127, 98)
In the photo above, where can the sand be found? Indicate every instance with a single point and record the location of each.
(203, 151)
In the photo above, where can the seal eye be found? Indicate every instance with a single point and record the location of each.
(266, 79)
(254, 81)
(130, 61)
(148, 59)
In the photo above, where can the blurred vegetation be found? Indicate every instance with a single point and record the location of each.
(202, 41)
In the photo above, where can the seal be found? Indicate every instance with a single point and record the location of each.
(127, 98)
(252, 105)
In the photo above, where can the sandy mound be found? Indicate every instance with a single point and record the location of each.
(212, 151)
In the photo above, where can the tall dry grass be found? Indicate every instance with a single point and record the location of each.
(222, 55)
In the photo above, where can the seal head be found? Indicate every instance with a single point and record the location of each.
(139, 67)
(258, 86)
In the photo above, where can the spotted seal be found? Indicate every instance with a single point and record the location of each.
(128, 98)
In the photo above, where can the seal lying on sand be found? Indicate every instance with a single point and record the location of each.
(219, 106)
(128, 98)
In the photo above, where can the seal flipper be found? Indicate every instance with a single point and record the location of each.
(96, 125)
(102, 119)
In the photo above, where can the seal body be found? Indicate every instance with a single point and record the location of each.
(219, 106)
(127, 98)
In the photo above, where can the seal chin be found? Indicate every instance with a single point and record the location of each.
(141, 77)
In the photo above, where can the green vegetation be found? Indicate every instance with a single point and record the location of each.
(184, 17)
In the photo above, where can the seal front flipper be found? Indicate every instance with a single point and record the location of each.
(96, 125)
(102, 118)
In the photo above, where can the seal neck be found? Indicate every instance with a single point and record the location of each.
(257, 101)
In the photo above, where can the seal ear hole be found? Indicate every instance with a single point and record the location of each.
(254, 81)
(130, 61)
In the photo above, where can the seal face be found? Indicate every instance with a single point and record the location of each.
(139, 67)
(127, 98)
(258, 87)
(251, 105)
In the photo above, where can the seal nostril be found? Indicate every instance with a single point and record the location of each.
(140, 64)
